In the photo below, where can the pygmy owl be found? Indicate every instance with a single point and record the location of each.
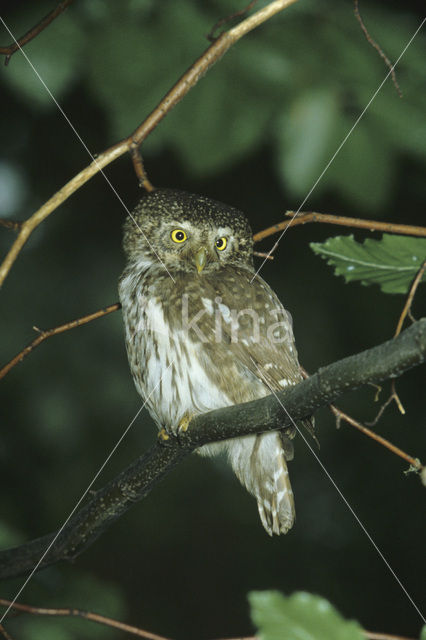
(203, 333)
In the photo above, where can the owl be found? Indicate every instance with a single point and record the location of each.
(203, 331)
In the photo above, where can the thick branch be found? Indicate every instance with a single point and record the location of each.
(387, 360)
(175, 95)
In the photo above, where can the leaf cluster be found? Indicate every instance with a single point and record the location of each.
(277, 88)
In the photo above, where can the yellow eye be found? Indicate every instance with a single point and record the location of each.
(221, 243)
(178, 235)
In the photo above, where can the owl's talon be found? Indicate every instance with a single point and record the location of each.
(184, 423)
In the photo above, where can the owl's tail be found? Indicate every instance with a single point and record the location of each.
(260, 464)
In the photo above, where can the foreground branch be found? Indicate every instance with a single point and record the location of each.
(175, 95)
(387, 360)
(137, 631)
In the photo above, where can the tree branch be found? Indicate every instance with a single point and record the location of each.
(48, 333)
(34, 31)
(341, 415)
(86, 615)
(141, 633)
(358, 223)
(384, 361)
(13, 225)
(189, 79)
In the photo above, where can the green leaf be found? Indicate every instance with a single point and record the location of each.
(423, 633)
(305, 135)
(391, 262)
(301, 616)
(363, 169)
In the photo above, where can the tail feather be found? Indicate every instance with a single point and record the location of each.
(260, 464)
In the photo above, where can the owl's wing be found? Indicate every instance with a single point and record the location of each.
(260, 333)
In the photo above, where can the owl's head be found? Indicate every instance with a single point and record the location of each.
(187, 232)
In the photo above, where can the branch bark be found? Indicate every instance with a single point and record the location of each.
(384, 361)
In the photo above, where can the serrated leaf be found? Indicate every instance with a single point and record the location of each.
(301, 615)
(391, 262)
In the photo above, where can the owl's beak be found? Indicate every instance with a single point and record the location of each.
(200, 259)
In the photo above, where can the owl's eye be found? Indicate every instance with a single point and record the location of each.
(221, 243)
(178, 235)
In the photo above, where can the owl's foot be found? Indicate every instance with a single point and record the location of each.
(163, 436)
(184, 423)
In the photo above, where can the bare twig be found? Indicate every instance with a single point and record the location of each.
(377, 47)
(34, 31)
(371, 635)
(87, 615)
(372, 423)
(140, 169)
(262, 254)
(312, 216)
(43, 335)
(340, 415)
(14, 225)
(410, 297)
(406, 311)
(4, 633)
(211, 36)
(189, 79)
(141, 633)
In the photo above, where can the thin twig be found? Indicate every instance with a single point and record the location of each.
(14, 225)
(34, 31)
(189, 79)
(406, 311)
(262, 254)
(140, 169)
(43, 335)
(371, 635)
(372, 423)
(211, 36)
(377, 47)
(410, 297)
(87, 615)
(312, 216)
(141, 633)
(340, 415)
(4, 633)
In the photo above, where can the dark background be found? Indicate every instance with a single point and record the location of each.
(256, 133)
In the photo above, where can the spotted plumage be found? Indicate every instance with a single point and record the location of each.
(202, 333)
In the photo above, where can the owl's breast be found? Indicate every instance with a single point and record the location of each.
(171, 370)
